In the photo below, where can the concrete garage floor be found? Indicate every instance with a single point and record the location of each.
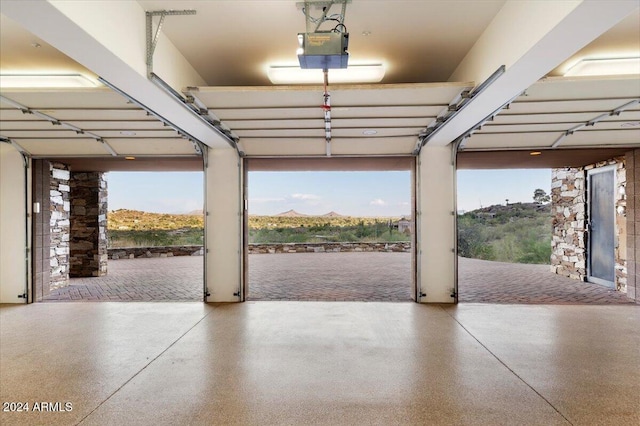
(321, 363)
(333, 277)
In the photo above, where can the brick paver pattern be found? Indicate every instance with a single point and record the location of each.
(496, 282)
(155, 279)
(333, 276)
(380, 277)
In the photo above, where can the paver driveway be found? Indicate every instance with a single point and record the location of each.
(333, 276)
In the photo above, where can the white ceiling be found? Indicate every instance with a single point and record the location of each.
(230, 43)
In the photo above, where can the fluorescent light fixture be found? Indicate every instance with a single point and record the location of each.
(611, 66)
(369, 73)
(44, 81)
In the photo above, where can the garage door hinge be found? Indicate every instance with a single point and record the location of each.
(423, 294)
(22, 296)
(236, 294)
(454, 293)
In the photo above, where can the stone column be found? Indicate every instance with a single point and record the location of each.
(568, 205)
(59, 225)
(88, 225)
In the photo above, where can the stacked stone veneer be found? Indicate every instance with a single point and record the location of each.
(59, 225)
(569, 209)
(568, 204)
(404, 247)
(159, 251)
(89, 225)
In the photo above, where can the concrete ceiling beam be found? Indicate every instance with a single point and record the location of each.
(530, 38)
(109, 38)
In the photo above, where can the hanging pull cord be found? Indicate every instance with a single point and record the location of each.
(326, 107)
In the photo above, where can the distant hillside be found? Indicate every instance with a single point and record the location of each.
(517, 233)
(124, 219)
(291, 213)
(332, 214)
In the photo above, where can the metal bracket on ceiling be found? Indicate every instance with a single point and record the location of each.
(313, 24)
(56, 122)
(457, 105)
(152, 38)
(593, 121)
(152, 42)
(25, 154)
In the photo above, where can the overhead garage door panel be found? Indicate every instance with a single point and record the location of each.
(61, 147)
(603, 138)
(48, 99)
(152, 146)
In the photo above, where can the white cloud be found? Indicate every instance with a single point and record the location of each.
(305, 197)
(378, 202)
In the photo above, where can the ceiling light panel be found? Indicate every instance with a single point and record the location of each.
(612, 66)
(44, 81)
(371, 73)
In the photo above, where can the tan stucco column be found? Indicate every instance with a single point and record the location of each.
(223, 234)
(436, 233)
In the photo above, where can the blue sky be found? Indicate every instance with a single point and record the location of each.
(347, 193)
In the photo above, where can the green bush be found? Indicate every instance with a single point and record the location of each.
(518, 233)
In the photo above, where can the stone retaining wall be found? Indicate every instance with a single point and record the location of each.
(170, 251)
(165, 251)
(403, 247)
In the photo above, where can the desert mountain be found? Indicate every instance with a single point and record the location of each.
(332, 214)
(291, 213)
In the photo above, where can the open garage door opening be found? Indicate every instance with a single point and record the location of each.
(330, 230)
(112, 235)
(526, 235)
